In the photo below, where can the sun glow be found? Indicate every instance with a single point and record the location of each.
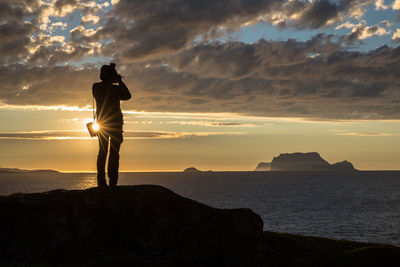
(96, 126)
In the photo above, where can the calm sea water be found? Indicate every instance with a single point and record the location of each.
(361, 206)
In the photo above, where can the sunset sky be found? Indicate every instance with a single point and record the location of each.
(216, 84)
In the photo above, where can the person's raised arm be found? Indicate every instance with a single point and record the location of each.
(124, 91)
(94, 91)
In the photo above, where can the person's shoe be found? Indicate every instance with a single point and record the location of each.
(113, 183)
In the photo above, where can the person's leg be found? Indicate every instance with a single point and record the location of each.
(101, 160)
(113, 160)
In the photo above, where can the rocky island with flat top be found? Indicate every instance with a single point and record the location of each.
(310, 161)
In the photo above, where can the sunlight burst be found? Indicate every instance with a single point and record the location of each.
(96, 126)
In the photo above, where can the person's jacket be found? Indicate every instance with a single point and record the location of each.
(108, 96)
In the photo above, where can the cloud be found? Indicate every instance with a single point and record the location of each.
(137, 122)
(386, 23)
(396, 4)
(27, 27)
(16, 29)
(273, 79)
(58, 85)
(172, 64)
(57, 25)
(213, 123)
(142, 30)
(43, 135)
(380, 4)
(237, 60)
(267, 78)
(81, 135)
(361, 31)
(364, 134)
(90, 19)
(396, 35)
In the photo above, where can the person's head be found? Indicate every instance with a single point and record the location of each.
(108, 73)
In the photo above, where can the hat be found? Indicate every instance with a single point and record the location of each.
(108, 72)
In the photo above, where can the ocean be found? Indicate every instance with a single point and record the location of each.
(360, 206)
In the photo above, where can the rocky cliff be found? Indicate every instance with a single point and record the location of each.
(263, 166)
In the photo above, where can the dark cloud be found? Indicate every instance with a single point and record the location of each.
(18, 9)
(60, 4)
(317, 14)
(60, 85)
(236, 60)
(142, 30)
(168, 71)
(25, 32)
(313, 79)
(159, 27)
(16, 29)
(145, 29)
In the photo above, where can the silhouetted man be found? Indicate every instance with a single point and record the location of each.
(109, 117)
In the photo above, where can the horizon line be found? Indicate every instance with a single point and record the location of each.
(181, 170)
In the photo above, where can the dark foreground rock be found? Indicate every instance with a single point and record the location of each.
(147, 224)
(150, 225)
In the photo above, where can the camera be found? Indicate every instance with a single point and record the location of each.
(93, 128)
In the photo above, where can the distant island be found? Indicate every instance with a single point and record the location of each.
(191, 170)
(310, 161)
(16, 170)
(195, 170)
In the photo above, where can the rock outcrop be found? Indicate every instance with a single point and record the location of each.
(263, 166)
(150, 223)
(343, 165)
(311, 161)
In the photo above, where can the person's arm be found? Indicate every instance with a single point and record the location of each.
(124, 91)
(94, 91)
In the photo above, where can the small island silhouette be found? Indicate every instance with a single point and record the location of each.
(191, 170)
(16, 170)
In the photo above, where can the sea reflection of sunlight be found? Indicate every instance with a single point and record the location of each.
(86, 181)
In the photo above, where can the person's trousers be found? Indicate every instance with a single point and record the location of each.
(112, 138)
